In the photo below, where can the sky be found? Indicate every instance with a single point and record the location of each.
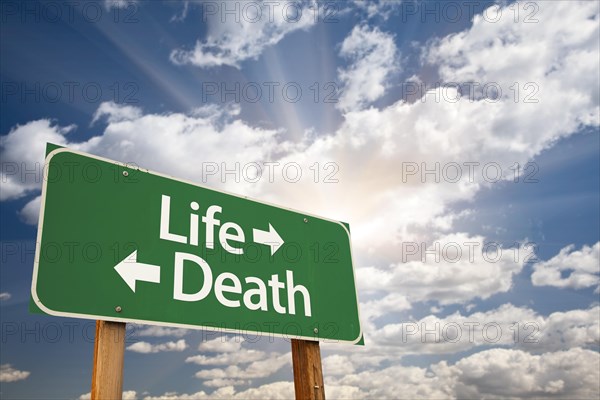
(459, 140)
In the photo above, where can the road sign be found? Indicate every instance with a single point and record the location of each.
(124, 244)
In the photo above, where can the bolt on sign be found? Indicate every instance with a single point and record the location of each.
(124, 244)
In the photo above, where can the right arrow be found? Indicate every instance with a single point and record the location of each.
(131, 271)
(270, 238)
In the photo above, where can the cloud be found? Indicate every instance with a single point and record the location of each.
(182, 15)
(337, 365)
(412, 382)
(129, 395)
(574, 328)
(582, 266)
(257, 369)
(505, 326)
(494, 373)
(270, 391)
(392, 302)
(5, 296)
(231, 354)
(246, 34)
(445, 131)
(242, 356)
(222, 344)
(374, 8)
(23, 148)
(501, 373)
(456, 268)
(159, 331)
(116, 113)
(31, 212)
(22, 154)
(373, 58)
(224, 382)
(392, 336)
(9, 374)
(496, 52)
(109, 4)
(145, 347)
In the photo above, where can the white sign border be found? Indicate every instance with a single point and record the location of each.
(49, 311)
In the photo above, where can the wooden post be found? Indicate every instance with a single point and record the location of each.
(308, 373)
(109, 349)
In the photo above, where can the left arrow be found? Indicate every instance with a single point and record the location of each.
(131, 271)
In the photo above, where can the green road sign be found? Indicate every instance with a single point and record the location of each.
(125, 244)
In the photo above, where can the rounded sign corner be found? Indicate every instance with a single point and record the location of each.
(54, 152)
(40, 305)
(359, 338)
(343, 225)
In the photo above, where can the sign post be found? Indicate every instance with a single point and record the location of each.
(308, 371)
(109, 349)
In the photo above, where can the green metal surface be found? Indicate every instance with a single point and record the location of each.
(94, 217)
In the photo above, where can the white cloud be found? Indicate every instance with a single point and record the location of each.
(411, 382)
(505, 326)
(436, 310)
(224, 382)
(222, 344)
(259, 25)
(231, 354)
(116, 113)
(558, 54)
(374, 8)
(175, 138)
(22, 154)
(274, 391)
(182, 15)
(439, 131)
(454, 269)
(9, 374)
(582, 266)
(31, 212)
(501, 373)
(494, 373)
(159, 331)
(392, 302)
(4, 296)
(145, 347)
(242, 356)
(257, 369)
(109, 4)
(373, 58)
(337, 365)
(270, 391)
(563, 330)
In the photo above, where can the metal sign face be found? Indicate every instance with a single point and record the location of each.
(124, 244)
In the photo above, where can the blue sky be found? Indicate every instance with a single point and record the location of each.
(371, 88)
